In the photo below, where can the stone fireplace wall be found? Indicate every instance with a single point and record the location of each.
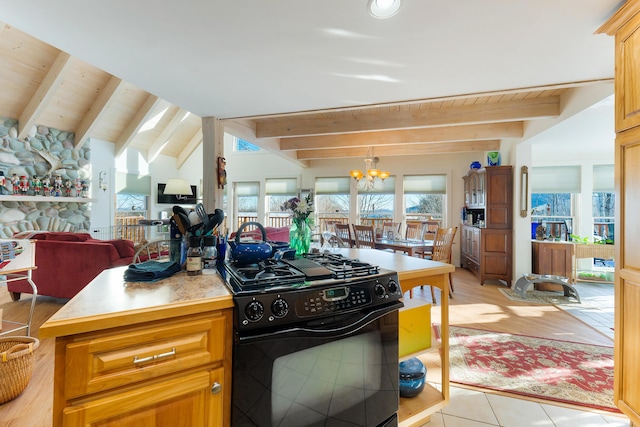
(46, 152)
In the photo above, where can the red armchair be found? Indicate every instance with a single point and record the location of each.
(67, 262)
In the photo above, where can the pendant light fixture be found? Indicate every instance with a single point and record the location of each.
(371, 176)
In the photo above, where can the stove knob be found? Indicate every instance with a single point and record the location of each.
(379, 290)
(254, 311)
(393, 286)
(280, 308)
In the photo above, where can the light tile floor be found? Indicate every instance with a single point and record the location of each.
(470, 408)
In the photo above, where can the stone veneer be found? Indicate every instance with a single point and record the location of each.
(45, 152)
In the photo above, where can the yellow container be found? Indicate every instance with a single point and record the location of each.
(414, 330)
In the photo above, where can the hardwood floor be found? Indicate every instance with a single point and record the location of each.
(34, 406)
(472, 305)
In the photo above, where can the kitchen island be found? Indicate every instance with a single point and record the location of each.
(412, 272)
(162, 350)
(140, 353)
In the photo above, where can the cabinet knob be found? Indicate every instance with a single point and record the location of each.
(216, 388)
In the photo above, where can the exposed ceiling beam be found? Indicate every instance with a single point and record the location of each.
(408, 136)
(193, 143)
(44, 93)
(245, 129)
(414, 149)
(132, 128)
(166, 134)
(91, 119)
(513, 110)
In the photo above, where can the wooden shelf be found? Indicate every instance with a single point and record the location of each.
(46, 199)
(415, 410)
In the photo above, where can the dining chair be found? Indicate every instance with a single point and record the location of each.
(414, 231)
(442, 249)
(430, 228)
(343, 232)
(389, 226)
(364, 236)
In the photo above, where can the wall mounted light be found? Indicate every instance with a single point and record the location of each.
(102, 180)
(178, 187)
(524, 191)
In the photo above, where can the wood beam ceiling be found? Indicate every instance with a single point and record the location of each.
(409, 136)
(134, 125)
(411, 150)
(41, 98)
(504, 111)
(91, 119)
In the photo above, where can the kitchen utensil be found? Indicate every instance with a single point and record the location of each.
(278, 246)
(215, 220)
(182, 221)
(250, 252)
(194, 218)
(202, 214)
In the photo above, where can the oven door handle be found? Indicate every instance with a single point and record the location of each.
(342, 325)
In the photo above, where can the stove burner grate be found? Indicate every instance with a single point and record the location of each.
(342, 267)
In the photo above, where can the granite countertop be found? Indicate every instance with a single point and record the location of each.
(108, 301)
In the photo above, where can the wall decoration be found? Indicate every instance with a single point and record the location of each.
(222, 172)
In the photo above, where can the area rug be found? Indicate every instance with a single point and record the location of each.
(560, 371)
(539, 297)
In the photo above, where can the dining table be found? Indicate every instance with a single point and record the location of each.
(408, 246)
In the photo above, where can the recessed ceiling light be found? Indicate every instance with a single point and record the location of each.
(382, 9)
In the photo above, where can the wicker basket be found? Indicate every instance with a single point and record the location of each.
(16, 365)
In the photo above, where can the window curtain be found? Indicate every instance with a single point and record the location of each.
(388, 186)
(603, 179)
(336, 185)
(555, 179)
(425, 184)
(130, 183)
(245, 189)
(280, 186)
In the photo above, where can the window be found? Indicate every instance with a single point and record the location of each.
(376, 205)
(279, 191)
(553, 190)
(332, 201)
(242, 145)
(246, 201)
(603, 203)
(424, 197)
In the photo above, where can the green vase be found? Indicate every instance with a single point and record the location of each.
(300, 236)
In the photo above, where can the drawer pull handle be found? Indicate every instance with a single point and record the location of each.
(137, 360)
(216, 388)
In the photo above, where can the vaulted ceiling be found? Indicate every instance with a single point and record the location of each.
(291, 113)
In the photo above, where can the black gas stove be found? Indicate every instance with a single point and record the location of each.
(281, 292)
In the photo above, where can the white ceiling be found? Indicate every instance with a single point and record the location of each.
(254, 57)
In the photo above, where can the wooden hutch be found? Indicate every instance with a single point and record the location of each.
(487, 235)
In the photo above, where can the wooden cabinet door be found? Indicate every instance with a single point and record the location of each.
(475, 243)
(627, 83)
(625, 25)
(181, 401)
(627, 275)
(499, 206)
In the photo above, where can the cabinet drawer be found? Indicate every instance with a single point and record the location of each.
(104, 362)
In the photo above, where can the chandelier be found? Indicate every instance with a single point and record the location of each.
(367, 181)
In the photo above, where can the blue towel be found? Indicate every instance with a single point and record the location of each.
(150, 271)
